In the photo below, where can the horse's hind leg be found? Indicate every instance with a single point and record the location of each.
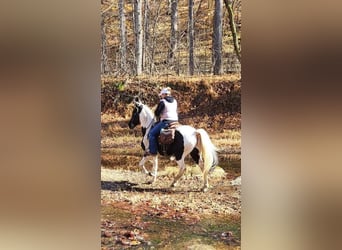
(205, 170)
(206, 182)
(181, 165)
(195, 154)
(197, 157)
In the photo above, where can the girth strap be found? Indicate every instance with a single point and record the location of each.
(173, 125)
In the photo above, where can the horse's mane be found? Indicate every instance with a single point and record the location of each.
(148, 109)
(148, 112)
(148, 117)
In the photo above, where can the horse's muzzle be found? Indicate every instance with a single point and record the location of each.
(131, 125)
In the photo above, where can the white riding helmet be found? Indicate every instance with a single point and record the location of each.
(166, 91)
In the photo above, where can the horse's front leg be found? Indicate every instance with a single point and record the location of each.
(155, 167)
(154, 171)
(142, 165)
(144, 145)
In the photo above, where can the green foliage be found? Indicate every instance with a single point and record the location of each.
(121, 86)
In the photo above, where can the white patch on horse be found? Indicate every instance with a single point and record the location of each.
(189, 140)
(236, 181)
(146, 119)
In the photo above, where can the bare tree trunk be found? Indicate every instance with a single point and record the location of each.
(138, 35)
(146, 33)
(104, 58)
(191, 37)
(174, 30)
(123, 42)
(152, 43)
(233, 29)
(217, 38)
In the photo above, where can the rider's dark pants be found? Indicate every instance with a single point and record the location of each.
(153, 135)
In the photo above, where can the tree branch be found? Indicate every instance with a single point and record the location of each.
(109, 7)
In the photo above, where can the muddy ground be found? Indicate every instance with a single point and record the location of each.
(138, 215)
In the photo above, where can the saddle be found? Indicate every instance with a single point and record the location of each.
(167, 134)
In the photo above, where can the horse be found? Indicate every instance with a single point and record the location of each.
(187, 140)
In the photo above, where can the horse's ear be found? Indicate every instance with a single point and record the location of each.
(136, 101)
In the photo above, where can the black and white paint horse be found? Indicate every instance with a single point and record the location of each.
(188, 140)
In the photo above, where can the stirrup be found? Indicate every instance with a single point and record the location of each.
(147, 153)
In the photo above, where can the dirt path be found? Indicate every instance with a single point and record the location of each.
(131, 187)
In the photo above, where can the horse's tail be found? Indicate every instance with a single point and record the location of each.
(207, 149)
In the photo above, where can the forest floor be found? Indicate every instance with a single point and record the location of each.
(138, 215)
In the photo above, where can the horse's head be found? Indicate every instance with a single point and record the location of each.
(135, 120)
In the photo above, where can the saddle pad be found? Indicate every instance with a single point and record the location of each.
(166, 136)
(173, 125)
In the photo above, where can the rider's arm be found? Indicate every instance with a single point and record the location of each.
(159, 108)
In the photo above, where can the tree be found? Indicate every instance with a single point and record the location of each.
(174, 30)
(146, 44)
(138, 35)
(191, 37)
(104, 58)
(166, 37)
(232, 25)
(217, 38)
(123, 43)
(156, 8)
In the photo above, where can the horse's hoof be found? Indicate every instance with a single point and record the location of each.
(205, 189)
(151, 174)
(174, 185)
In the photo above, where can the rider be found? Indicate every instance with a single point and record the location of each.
(166, 111)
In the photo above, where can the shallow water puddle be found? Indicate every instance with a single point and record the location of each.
(122, 230)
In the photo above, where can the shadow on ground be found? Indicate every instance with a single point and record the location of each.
(129, 186)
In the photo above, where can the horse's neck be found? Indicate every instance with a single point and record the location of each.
(146, 118)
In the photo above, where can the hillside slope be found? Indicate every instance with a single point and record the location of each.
(214, 104)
